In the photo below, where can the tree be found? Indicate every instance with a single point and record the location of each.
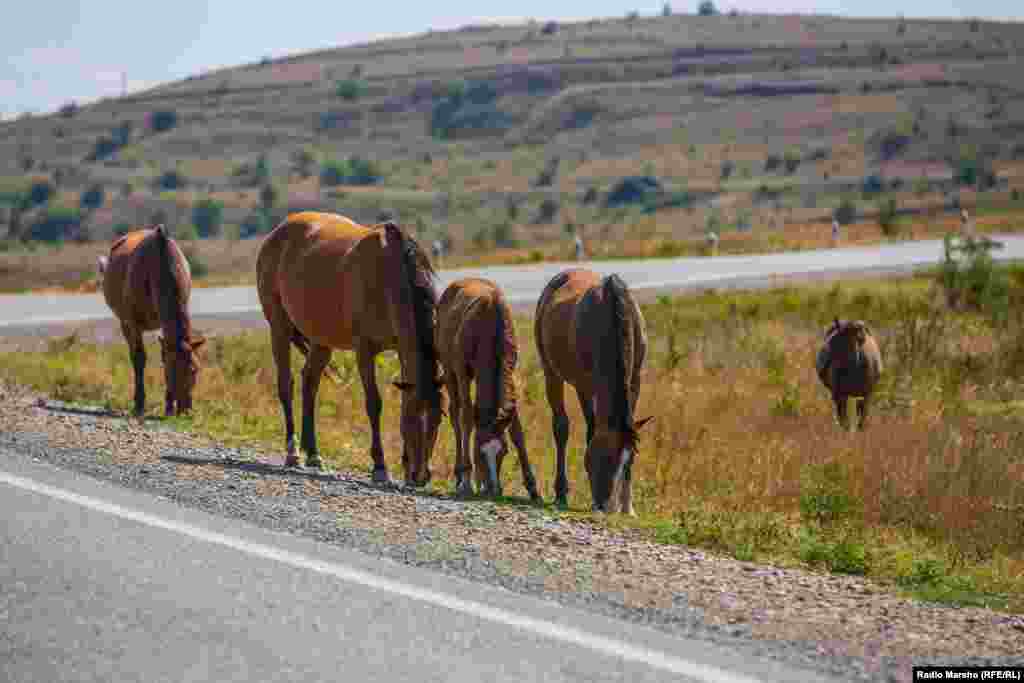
(92, 198)
(268, 197)
(707, 8)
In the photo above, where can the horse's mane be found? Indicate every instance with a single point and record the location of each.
(553, 284)
(615, 356)
(417, 276)
(171, 310)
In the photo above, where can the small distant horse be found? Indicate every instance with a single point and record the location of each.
(591, 334)
(147, 283)
(326, 282)
(849, 364)
(475, 339)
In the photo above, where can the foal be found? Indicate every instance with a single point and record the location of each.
(475, 339)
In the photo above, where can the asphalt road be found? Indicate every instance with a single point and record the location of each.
(523, 284)
(100, 583)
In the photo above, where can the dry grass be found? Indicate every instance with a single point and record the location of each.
(744, 454)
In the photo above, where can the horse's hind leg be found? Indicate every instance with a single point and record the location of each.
(519, 441)
(133, 336)
(318, 358)
(842, 405)
(464, 431)
(280, 341)
(560, 428)
(366, 355)
(863, 408)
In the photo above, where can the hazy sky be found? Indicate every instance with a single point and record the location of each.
(60, 50)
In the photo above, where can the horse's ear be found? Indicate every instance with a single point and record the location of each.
(405, 386)
(197, 341)
(638, 425)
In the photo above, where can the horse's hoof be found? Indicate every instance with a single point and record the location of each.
(380, 476)
(313, 461)
(291, 461)
(464, 489)
(561, 502)
(536, 498)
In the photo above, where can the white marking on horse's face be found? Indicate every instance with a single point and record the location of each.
(102, 262)
(490, 451)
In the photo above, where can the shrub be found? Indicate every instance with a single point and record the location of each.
(351, 89)
(171, 180)
(590, 196)
(92, 198)
(303, 162)
(887, 217)
(40, 193)
(772, 162)
(726, 169)
(256, 223)
(547, 211)
(68, 110)
(873, 184)
(846, 213)
(207, 216)
(547, 176)
(634, 190)
(354, 171)
(550, 28)
(707, 8)
(971, 279)
(58, 223)
(792, 160)
(268, 196)
(163, 120)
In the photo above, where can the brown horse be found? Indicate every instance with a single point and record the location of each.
(849, 364)
(476, 340)
(326, 282)
(591, 334)
(147, 283)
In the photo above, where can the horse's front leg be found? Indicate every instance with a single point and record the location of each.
(842, 401)
(366, 355)
(863, 408)
(281, 346)
(312, 372)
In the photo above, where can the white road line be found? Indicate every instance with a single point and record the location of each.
(600, 644)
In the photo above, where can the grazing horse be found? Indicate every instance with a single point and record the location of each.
(475, 339)
(849, 364)
(326, 282)
(147, 283)
(591, 334)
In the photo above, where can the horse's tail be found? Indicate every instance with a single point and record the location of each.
(504, 389)
(617, 361)
(417, 290)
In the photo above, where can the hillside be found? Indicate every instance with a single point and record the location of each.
(512, 136)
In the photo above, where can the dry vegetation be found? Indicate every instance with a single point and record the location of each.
(699, 103)
(744, 454)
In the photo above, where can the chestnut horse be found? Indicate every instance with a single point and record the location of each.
(326, 282)
(849, 364)
(476, 340)
(147, 283)
(591, 334)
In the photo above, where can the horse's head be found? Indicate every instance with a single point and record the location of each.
(181, 371)
(609, 460)
(421, 420)
(846, 336)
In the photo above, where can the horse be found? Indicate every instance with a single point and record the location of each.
(147, 282)
(328, 283)
(591, 334)
(476, 340)
(849, 364)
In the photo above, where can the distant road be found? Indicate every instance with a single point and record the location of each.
(523, 284)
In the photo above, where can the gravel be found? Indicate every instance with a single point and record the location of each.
(845, 626)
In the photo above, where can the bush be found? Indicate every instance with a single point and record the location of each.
(846, 213)
(163, 120)
(103, 148)
(971, 279)
(171, 180)
(40, 193)
(68, 110)
(207, 216)
(772, 162)
(351, 89)
(707, 8)
(887, 217)
(353, 171)
(550, 28)
(873, 184)
(726, 169)
(547, 211)
(255, 224)
(268, 197)
(634, 190)
(92, 198)
(56, 224)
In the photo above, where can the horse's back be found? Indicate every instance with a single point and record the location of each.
(324, 274)
(467, 310)
(131, 277)
(558, 311)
